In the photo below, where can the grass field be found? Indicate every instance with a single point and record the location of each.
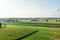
(13, 32)
(45, 34)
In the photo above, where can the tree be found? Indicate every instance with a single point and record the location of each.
(0, 25)
(46, 20)
(34, 20)
(56, 20)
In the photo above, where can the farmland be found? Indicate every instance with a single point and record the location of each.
(30, 31)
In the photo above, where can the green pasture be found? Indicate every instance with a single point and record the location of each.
(13, 31)
(37, 24)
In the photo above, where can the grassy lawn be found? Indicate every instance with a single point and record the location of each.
(44, 33)
(12, 32)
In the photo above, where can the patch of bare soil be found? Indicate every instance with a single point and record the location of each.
(52, 38)
(53, 35)
(55, 26)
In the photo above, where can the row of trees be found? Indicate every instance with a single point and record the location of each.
(55, 20)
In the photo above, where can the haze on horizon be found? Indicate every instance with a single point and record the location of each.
(29, 8)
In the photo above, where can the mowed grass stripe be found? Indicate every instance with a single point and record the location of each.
(36, 24)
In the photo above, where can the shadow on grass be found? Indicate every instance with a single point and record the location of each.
(26, 35)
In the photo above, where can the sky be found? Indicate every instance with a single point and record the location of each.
(29, 8)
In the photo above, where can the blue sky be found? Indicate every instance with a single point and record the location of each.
(29, 8)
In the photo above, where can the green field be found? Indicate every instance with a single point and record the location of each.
(18, 30)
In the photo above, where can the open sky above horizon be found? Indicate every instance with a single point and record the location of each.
(29, 8)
